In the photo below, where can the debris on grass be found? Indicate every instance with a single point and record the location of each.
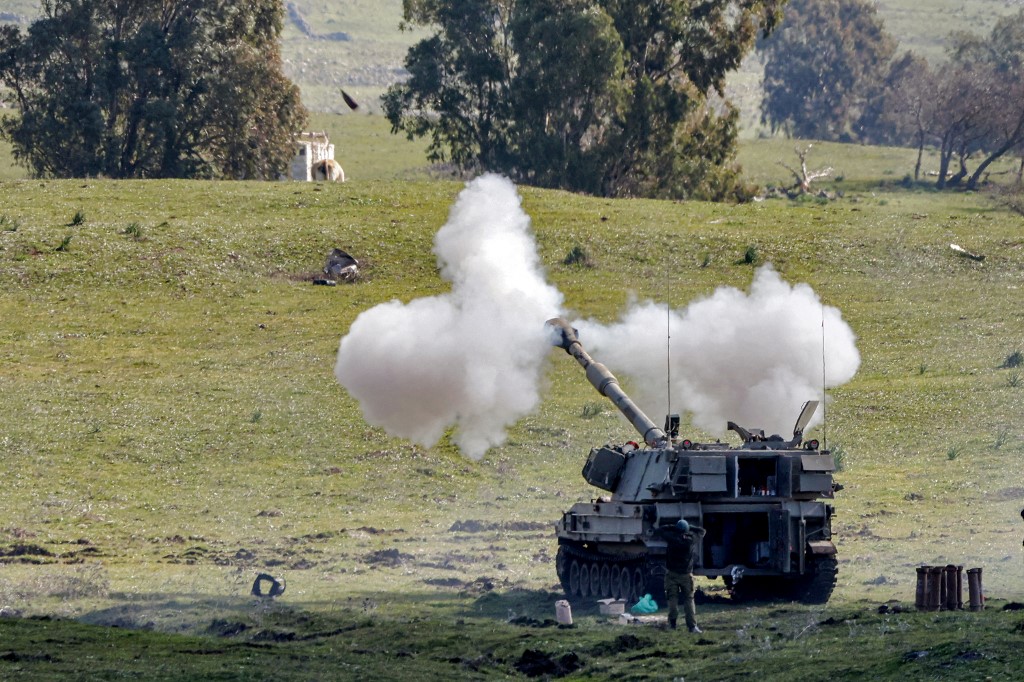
(965, 253)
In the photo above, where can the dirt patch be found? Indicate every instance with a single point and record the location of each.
(15, 657)
(1014, 493)
(390, 558)
(622, 643)
(477, 664)
(224, 628)
(968, 656)
(26, 554)
(452, 561)
(273, 636)
(528, 622)
(367, 531)
(475, 526)
(536, 663)
(19, 533)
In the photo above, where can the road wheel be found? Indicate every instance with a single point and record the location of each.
(595, 579)
(615, 578)
(574, 578)
(639, 584)
(606, 580)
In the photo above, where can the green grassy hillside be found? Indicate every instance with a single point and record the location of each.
(172, 427)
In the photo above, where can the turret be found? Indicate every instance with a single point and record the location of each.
(564, 336)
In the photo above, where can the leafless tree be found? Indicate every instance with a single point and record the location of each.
(804, 177)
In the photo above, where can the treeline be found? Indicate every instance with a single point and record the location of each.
(832, 72)
(614, 98)
(607, 97)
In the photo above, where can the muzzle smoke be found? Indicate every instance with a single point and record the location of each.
(471, 358)
(749, 358)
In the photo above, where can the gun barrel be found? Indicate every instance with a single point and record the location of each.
(605, 382)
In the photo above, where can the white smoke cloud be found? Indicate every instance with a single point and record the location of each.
(749, 358)
(471, 358)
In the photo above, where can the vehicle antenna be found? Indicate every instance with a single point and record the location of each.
(668, 335)
(668, 354)
(824, 402)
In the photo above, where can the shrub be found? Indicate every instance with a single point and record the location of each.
(1002, 436)
(750, 256)
(1014, 359)
(578, 256)
(134, 230)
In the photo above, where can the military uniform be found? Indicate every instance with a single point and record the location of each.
(682, 544)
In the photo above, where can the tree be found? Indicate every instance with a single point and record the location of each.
(997, 64)
(609, 97)
(824, 67)
(151, 89)
(908, 105)
(971, 107)
(458, 91)
(566, 87)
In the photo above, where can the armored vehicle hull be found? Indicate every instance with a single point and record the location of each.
(764, 504)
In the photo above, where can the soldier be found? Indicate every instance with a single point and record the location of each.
(682, 539)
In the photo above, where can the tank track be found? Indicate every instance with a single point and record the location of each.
(814, 587)
(586, 574)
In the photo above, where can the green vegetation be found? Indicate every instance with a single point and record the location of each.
(144, 90)
(608, 98)
(823, 68)
(969, 107)
(777, 644)
(172, 427)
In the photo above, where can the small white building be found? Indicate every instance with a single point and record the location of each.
(309, 148)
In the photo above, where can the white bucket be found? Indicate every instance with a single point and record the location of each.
(563, 612)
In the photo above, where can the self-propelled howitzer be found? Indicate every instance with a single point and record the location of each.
(769, 530)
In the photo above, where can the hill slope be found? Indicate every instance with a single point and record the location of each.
(173, 426)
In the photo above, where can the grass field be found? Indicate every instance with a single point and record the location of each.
(172, 427)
